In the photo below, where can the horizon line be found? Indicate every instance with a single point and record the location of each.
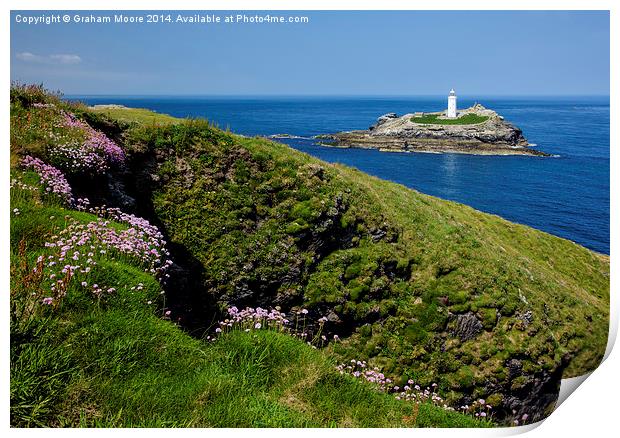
(323, 95)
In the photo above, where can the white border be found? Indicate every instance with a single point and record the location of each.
(590, 411)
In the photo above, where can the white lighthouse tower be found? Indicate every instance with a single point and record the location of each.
(451, 114)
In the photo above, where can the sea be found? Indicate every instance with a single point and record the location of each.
(566, 195)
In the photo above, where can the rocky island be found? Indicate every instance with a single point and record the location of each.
(475, 130)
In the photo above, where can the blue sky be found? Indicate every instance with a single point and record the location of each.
(336, 53)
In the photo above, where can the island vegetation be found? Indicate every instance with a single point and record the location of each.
(437, 119)
(167, 273)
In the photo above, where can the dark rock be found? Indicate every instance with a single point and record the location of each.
(117, 193)
(532, 399)
(526, 318)
(377, 234)
(467, 326)
(514, 368)
(332, 317)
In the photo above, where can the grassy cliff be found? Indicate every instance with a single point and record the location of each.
(427, 290)
(116, 361)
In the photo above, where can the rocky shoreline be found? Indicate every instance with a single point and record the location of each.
(393, 133)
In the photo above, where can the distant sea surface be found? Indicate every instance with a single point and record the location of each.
(567, 195)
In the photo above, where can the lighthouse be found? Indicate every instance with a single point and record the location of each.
(451, 113)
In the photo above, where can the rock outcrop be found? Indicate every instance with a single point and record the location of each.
(491, 136)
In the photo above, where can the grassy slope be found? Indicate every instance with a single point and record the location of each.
(116, 363)
(218, 187)
(135, 115)
(558, 278)
(484, 255)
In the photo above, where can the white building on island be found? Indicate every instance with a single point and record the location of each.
(451, 113)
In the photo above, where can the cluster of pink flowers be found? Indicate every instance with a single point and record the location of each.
(410, 391)
(524, 418)
(52, 179)
(360, 370)
(80, 246)
(478, 407)
(141, 240)
(94, 155)
(417, 394)
(74, 158)
(311, 333)
(251, 318)
(258, 318)
(97, 140)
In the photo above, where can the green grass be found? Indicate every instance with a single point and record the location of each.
(433, 119)
(136, 115)
(115, 363)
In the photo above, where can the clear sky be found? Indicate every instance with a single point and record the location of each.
(335, 53)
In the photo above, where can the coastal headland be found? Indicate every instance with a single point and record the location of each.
(477, 130)
(260, 250)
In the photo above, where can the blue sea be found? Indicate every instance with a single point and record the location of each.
(567, 195)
